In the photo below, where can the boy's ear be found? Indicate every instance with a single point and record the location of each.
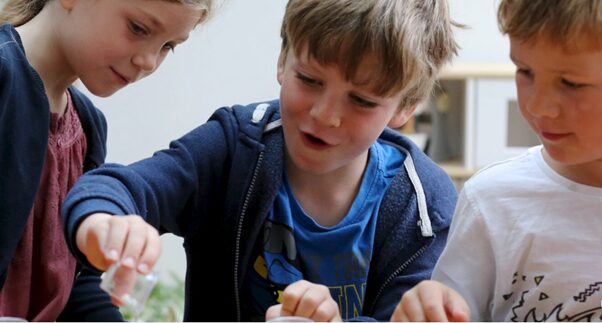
(401, 116)
(68, 4)
(280, 70)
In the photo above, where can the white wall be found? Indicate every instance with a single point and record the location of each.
(481, 42)
(230, 60)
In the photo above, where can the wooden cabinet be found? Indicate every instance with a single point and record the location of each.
(472, 119)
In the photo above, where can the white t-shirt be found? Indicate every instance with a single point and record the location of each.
(525, 244)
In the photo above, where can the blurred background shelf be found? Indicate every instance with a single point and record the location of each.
(471, 120)
(477, 70)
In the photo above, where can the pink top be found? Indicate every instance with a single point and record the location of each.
(41, 273)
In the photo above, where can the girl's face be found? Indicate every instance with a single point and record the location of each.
(108, 44)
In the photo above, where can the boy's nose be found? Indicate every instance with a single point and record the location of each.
(543, 103)
(326, 113)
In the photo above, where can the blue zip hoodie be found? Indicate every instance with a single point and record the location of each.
(215, 186)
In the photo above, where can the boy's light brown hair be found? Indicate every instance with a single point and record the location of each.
(567, 23)
(18, 12)
(410, 40)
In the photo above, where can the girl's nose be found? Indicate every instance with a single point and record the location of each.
(147, 61)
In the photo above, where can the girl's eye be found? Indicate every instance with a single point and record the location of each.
(362, 102)
(572, 85)
(307, 80)
(137, 29)
(169, 46)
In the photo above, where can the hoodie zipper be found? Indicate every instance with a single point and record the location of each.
(395, 273)
(239, 234)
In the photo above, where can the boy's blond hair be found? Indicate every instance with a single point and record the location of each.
(564, 22)
(410, 40)
(18, 12)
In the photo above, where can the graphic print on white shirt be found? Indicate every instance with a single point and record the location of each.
(528, 311)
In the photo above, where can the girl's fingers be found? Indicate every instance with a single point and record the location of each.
(91, 236)
(97, 241)
(152, 250)
(135, 241)
(106, 239)
(115, 240)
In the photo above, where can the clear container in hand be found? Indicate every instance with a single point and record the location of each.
(128, 286)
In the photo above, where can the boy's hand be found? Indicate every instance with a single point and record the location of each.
(306, 299)
(105, 239)
(431, 301)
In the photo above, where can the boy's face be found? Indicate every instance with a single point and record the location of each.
(328, 122)
(560, 95)
(110, 44)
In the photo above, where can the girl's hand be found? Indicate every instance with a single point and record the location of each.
(431, 301)
(306, 299)
(105, 239)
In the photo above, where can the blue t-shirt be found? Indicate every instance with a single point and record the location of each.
(295, 247)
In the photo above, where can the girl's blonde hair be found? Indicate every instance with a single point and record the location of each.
(564, 22)
(410, 40)
(18, 12)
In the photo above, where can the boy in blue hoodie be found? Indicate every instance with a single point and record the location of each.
(307, 205)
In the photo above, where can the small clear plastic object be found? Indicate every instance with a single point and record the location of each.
(128, 286)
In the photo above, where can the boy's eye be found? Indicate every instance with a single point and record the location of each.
(524, 72)
(572, 85)
(307, 80)
(137, 29)
(362, 102)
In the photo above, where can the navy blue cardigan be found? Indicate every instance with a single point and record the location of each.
(215, 186)
(24, 121)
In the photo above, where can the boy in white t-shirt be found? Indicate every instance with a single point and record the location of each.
(525, 240)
